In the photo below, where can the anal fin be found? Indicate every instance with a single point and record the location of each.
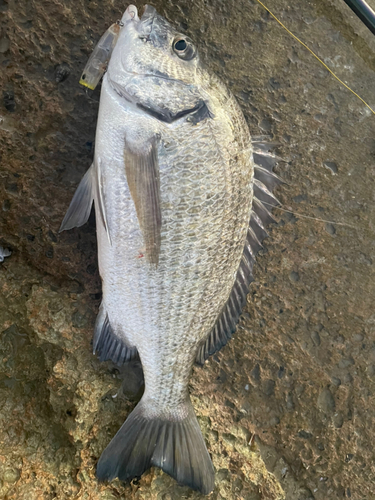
(108, 344)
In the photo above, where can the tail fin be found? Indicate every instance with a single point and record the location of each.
(176, 446)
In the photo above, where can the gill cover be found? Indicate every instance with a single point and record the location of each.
(99, 59)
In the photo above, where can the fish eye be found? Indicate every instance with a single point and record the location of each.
(180, 45)
(184, 48)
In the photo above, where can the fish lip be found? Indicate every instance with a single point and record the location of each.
(130, 15)
(147, 20)
(149, 12)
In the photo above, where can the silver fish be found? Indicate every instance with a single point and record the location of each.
(179, 220)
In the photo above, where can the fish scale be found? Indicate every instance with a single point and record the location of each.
(178, 227)
(207, 217)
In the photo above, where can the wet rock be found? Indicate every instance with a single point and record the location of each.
(108, 495)
(62, 72)
(305, 494)
(331, 165)
(6, 205)
(274, 421)
(336, 381)
(315, 337)
(8, 100)
(255, 373)
(132, 375)
(358, 337)
(274, 83)
(299, 198)
(4, 45)
(326, 401)
(338, 420)
(289, 402)
(294, 276)
(346, 362)
(268, 387)
(266, 125)
(305, 435)
(11, 475)
(80, 320)
(330, 228)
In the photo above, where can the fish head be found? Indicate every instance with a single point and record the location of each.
(153, 64)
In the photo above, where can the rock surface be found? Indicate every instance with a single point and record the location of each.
(287, 408)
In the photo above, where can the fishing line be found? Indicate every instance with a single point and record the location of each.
(264, 140)
(308, 216)
(89, 97)
(316, 57)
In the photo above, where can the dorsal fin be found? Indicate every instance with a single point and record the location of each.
(264, 182)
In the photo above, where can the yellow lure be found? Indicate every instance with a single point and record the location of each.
(98, 61)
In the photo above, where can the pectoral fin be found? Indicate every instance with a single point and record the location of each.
(89, 188)
(80, 206)
(100, 199)
(142, 174)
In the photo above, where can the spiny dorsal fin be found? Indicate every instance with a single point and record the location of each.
(264, 182)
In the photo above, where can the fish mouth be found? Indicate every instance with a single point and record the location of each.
(131, 14)
(152, 23)
(143, 24)
(149, 23)
(147, 19)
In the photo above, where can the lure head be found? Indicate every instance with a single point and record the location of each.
(98, 61)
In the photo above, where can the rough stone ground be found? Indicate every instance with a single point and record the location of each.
(287, 408)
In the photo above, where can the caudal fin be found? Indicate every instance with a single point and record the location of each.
(176, 446)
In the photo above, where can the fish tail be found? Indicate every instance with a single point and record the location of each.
(176, 445)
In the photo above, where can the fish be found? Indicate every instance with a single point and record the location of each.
(182, 195)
